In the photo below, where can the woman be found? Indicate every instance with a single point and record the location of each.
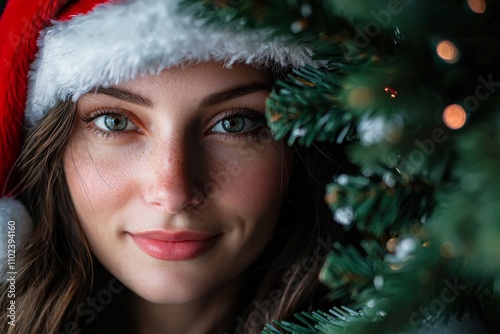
(160, 202)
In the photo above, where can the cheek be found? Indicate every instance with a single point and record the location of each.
(257, 187)
(251, 184)
(247, 196)
(253, 171)
(97, 180)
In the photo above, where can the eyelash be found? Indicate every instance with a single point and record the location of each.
(91, 117)
(250, 114)
(253, 115)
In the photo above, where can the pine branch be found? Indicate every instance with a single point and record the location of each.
(416, 108)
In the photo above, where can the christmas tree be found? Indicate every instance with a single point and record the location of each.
(410, 91)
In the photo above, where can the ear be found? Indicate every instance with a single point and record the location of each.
(15, 226)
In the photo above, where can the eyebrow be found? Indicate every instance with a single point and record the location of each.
(126, 96)
(232, 93)
(210, 100)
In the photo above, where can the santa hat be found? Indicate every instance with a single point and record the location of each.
(53, 50)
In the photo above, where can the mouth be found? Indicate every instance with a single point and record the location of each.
(174, 246)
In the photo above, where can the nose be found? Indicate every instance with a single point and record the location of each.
(171, 177)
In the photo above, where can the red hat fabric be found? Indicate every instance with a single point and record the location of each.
(20, 27)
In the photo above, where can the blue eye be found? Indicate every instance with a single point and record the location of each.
(242, 121)
(234, 124)
(113, 122)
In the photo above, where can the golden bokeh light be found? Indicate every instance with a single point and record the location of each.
(360, 97)
(477, 6)
(396, 266)
(447, 51)
(392, 244)
(447, 250)
(454, 116)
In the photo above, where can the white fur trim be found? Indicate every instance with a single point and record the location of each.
(15, 222)
(119, 41)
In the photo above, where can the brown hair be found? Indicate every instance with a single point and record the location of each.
(57, 271)
(55, 259)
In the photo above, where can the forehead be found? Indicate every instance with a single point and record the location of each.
(200, 77)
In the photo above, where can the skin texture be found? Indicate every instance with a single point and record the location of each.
(173, 168)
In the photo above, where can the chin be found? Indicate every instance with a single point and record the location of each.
(160, 295)
(169, 289)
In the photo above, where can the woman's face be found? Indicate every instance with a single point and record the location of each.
(175, 179)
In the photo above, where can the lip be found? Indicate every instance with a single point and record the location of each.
(174, 246)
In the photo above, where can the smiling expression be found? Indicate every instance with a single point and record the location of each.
(175, 179)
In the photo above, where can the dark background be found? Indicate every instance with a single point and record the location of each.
(2, 5)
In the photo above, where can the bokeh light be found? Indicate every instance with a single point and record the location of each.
(393, 93)
(454, 116)
(477, 6)
(447, 250)
(392, 244)
(447, 51)
(361, 97)
(396, 266)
